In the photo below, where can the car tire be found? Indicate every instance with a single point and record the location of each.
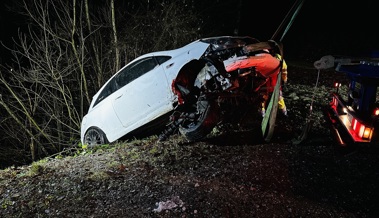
(206, 121)
(95, 137)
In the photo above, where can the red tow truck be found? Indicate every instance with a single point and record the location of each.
(354, 113)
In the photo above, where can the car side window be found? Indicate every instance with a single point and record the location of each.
(108, 90)
(135, 70)
(129, 74)
(162, 59)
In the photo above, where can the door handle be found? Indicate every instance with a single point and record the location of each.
(118, 97)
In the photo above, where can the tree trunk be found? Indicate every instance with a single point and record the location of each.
(115, 41)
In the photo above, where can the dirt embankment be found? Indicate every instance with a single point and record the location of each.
(232, 173)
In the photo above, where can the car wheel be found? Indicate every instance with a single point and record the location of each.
(206, 117)
(94, 137)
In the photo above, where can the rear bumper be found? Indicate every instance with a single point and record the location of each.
(343, 134)
(338, 130)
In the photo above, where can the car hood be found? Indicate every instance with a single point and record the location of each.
(227, 42)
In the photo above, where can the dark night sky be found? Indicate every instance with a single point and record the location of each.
(341, 27)
(321, 27)
(324, 27)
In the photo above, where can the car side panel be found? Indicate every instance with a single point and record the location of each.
(143, 99)
(155, 89)
(103, 117)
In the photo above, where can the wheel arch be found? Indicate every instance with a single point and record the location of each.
(106, 140)
(189, 72)
(186, 77)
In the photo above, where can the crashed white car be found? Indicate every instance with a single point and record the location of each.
(196, 86)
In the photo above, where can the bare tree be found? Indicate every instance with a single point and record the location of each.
(95, 48)
(43, 90)
(115, 41)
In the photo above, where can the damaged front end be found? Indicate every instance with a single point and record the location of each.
(226, 80)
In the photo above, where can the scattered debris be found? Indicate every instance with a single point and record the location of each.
(169, 204)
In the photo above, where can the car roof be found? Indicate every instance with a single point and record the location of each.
(218, 42)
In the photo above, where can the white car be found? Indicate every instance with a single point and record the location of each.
(193, 84)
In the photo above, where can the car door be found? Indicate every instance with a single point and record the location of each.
(145, 93)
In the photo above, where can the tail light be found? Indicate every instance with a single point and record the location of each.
(334, 102)
(363, 132)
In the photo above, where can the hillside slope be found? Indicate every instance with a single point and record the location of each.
(232, 173)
